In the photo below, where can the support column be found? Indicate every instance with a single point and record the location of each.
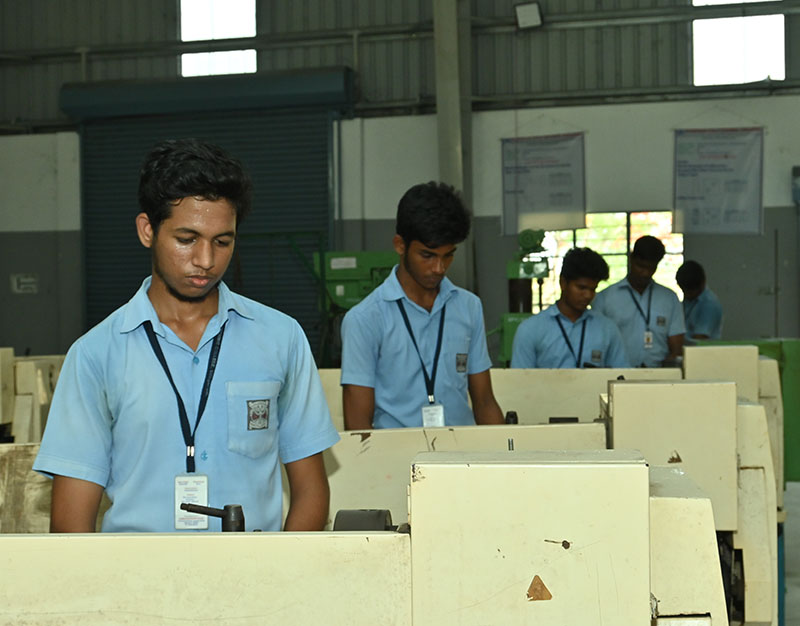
(453, 50)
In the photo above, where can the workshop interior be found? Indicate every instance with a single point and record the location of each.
(658, 496)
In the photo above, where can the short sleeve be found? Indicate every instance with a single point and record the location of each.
(77, 439)
(479, 360)
(615, 353)
(360, 349)
(523, 350)
(305, 422)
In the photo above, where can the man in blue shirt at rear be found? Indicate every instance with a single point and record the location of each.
(415, 346)
(701, 308)
(648, 315)
(568, 334)
(189, 392)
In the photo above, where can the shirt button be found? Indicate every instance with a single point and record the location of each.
(195, 360)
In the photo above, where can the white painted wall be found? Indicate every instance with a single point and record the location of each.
(629, 151)
(40, 189)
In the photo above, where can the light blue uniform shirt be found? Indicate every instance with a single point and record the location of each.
(618, 302)
(377, 352)
(114, 417)
(539, 341)
(703, 315)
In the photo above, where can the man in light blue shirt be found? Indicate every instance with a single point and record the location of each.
(414, 348)
(702, 310)
(568, 334)
(648, 315)
(189, 393)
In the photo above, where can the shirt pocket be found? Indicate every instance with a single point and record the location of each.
(252, 416)
(457, 353)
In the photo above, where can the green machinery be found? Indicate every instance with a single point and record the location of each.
(525, 266)
(786, 351)
(346, 278)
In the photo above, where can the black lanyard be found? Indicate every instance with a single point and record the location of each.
(646, 318)
(569, 344)
(429, 380)
(188, 433)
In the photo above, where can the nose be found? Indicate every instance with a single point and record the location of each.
(203, 255)
(439, 266)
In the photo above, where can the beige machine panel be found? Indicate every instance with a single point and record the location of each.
(230, 578)
(685, 576)
(369, 469)
(556, 538)
(539, 394)
(333, 393)
(688, 424)
(736, 363)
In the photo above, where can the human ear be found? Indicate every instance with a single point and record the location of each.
(399, 245)
(145, 230)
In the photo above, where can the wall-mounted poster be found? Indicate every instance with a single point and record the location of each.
(543, 183)
(718, 181)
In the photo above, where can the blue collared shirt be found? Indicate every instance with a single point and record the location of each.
(377, 352)
(539, 341)
(618, 302)
(703, 315)
(114, 418)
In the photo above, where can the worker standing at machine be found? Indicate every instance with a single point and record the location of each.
(568, 334)
(701, 308)
(189, 392)
(414, 348)
(648, 315)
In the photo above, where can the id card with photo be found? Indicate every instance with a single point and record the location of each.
(648, 339)
(192, 489)
(432, 415)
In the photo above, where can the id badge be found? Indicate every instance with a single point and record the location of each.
(192, 489)
(432, 415)
(648, 339)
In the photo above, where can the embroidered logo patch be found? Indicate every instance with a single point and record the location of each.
(597, 356)
(257, 414)
(661, 320)
(461, 362)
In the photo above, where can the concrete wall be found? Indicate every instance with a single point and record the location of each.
(628, 167)
(41, 276)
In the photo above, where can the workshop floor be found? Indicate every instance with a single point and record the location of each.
(791, 529)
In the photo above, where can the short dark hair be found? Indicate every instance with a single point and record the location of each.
(433, 214)
(690, 276)
(648, 248)
(181, 168)
(584, 263)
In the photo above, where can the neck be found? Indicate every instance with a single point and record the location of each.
(418, 294)
(571, 314)
(188, 319)
(639, 289)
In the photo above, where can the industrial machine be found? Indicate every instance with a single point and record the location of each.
(346, 278)
(521, 270)
(571, 538)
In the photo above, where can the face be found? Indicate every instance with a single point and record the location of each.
(641, 272)
(691, 294)
(426, 266)
(578, 294)
(192, 248)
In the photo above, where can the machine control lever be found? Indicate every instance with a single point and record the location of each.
(232, 515)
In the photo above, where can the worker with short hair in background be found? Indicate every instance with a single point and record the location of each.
(415, 346)
(648, 315)
(189, 393)
(702, 310)
(569, 334)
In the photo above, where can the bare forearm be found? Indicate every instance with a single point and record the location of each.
(489, 413)
(309, 494)
(358, 404)
(74, 505)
